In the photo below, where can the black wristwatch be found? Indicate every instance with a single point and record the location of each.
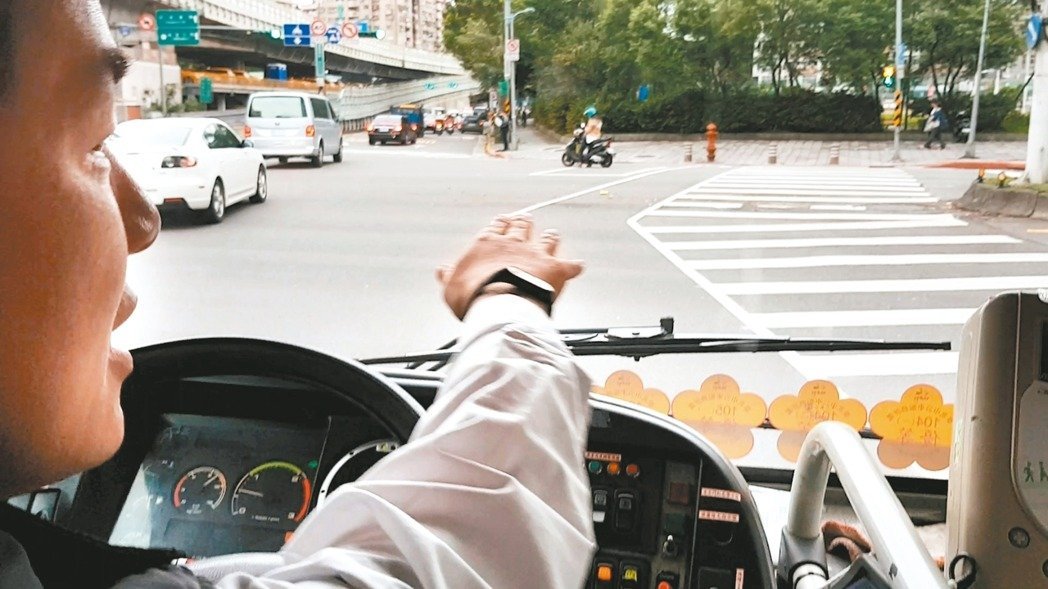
(525, 284)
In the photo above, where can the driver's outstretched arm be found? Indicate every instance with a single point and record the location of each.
(490, 491)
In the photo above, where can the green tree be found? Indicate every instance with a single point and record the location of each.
(855, 41)
(945, 38)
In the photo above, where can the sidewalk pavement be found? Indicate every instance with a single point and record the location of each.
(536, 146)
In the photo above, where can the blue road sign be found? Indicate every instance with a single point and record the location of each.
(124, 31)
(1034, 30)
(334, 35)
(643, 93)
(901, 53)
(362, 26)
(297, 35)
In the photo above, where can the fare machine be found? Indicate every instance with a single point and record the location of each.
(997, 510)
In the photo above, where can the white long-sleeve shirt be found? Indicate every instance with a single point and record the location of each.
(490, 491)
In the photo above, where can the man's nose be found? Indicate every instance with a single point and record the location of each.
(141, 218)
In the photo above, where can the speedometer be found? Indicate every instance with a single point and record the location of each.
(274, 492)
(202, 487)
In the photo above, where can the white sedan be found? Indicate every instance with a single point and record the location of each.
(195, 163)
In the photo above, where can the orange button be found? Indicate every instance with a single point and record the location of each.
(614, 468)
(665, 585)
(633, 470)
(604, 572)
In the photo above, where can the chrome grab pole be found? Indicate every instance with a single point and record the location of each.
(898, 550)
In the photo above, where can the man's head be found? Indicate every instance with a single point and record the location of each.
(70, 218)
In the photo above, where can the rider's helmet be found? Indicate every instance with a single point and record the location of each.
(590, 112)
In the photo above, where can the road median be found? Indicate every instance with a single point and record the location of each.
(1010, 201)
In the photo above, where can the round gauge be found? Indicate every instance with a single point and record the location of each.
(353, 464)
(200, 489)
(273, 492)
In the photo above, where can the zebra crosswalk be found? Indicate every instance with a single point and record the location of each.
(851, 253)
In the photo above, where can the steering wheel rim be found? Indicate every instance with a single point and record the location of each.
(204, 357)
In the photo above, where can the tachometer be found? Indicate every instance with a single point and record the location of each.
(202, 488)
(273, 492)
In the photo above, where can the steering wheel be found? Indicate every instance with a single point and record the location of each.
(163, 382)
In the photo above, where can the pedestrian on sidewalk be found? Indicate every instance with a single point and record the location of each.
(503, 129)
(935, 126)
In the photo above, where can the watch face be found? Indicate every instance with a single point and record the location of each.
(531, 278)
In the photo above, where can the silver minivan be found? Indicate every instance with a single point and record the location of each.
(293, 124)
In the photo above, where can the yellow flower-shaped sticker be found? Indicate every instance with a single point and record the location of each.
(918, 428)
(816, 402)
(721, 412)
(628, 386)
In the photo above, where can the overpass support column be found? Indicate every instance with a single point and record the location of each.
(220, 102)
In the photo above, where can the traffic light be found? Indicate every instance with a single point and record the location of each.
(888, 73)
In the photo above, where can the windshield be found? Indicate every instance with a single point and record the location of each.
(736, 169)
(158, 135)
(277, 107)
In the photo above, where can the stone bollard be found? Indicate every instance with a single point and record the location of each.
(773, 154)
(711, 142)
(835, 154)
(687, 152)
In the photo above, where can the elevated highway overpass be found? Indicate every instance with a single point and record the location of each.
(361, 57)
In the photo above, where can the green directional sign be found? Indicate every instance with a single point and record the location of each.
(177, 27)
(319, 66)
(207, 95)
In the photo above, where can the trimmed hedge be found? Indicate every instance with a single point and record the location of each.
(795, 110)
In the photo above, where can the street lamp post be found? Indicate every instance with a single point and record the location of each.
(511, 67)
(969, 151)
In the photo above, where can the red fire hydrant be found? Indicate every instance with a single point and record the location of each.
(711, 142)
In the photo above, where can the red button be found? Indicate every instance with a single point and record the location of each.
(633, 470)
(665, 585)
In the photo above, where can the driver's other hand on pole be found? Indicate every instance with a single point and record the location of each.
(509, 241)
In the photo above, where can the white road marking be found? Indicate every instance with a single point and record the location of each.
(867, 260)
(760, 244)
(989, 283)
(838, 207)
(585, 191)
(886, 364)
(805, 191)
(797, 216)
(706, 204)
(582, 173)
(943, 220)
(864, 318)
(865, 200)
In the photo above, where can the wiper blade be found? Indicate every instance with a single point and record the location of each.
(640, 342)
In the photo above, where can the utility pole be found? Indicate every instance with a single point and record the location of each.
(513, 94)
(969, 151)
(899, 74)
(1037, 140)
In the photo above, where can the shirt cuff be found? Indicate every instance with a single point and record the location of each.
(504, 309)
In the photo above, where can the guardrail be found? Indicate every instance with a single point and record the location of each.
(268, 15)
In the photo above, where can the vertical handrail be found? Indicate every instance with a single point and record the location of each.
(898, 550)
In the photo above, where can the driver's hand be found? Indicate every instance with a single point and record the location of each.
(507, 241)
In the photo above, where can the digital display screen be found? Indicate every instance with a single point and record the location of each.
(215, 485)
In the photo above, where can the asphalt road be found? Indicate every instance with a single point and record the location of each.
(341, 259)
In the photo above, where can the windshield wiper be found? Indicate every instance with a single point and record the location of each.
(640, 342)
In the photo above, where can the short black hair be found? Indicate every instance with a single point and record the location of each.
(7, 46)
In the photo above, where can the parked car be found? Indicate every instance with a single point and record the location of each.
(293, 124)
(191, 163)
(475, 122)
(386, 128)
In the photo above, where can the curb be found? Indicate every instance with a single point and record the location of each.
(979, 164)
(1004, 202)
(885, 136)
